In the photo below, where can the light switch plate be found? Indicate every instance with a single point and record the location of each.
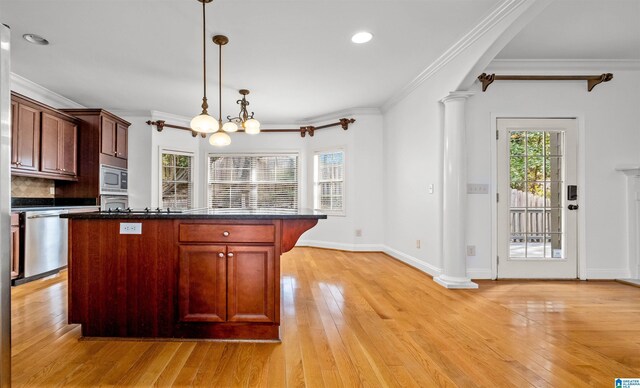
(130, 228)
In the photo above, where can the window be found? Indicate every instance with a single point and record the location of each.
(177, 184)
(328, 180)
(253, 181)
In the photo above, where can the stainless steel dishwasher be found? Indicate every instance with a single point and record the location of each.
(45, 243)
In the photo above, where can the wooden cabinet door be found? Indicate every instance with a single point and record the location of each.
(202, 283)
(14, 133)
(121, 141)
(251, 283)
(69, 148)
(51, 131)
(28, 138)
(108, 137)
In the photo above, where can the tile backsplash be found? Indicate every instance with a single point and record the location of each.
(26, 187)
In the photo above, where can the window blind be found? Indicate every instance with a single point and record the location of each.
(253, 181)
(329, 181)
(177, 185)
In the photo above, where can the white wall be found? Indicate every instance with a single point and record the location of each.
(611, 136)
(362, 144)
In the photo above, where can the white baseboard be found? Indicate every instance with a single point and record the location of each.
(412, 261)
(607, 273)
(479, 273)
(341, 246)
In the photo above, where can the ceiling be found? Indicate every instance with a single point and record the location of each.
(295, 56)
(585, 29)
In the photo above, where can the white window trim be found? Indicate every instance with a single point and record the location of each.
(295, 153)
(314, 184)
(163, 150)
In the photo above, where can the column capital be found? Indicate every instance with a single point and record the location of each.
(457, 95)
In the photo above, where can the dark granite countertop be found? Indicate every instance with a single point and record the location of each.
(45, 208)
(235, 214)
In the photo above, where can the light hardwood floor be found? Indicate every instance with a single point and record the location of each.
(359, 319)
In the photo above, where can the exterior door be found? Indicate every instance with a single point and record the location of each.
(537, 198)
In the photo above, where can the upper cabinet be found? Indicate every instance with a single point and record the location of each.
(104, 134)
(43, 140)
(59, 144)
(102, 139)
(113, 138)
(25, 134)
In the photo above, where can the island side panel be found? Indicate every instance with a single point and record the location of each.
(122, 285)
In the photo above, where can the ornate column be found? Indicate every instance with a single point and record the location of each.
(454, 212)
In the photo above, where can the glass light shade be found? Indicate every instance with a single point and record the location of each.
(220, 139)
(204, 124)
(252, 127)
(230, 127)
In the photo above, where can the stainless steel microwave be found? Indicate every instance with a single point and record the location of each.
(113, 180)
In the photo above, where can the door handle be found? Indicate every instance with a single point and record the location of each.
(573, 207)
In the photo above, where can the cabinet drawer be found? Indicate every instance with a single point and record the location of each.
(221, 233)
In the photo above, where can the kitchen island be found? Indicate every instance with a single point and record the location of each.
(195, 274)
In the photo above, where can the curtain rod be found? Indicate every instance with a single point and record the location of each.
(592, 80)
(303, 131)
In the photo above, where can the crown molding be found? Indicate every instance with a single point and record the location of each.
(599, 65)
(498, 13)
(130, 113)
(31, 89)
(339, 114)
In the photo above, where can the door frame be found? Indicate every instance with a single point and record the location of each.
(581, 178)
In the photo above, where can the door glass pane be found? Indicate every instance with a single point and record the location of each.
(536, 200)
(517, 143)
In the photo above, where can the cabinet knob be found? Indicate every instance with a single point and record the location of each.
(230, 254)
(220, 254)
(225, 234)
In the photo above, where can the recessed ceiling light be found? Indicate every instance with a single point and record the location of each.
(35, 39)
(361, 37)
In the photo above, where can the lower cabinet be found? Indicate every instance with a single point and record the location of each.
(226, 283)
(202, 284)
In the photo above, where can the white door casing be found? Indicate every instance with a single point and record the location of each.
(537, 233)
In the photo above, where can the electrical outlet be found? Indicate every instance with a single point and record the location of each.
(358, 232)
(52, 190)
(431, 188)
(130, 228)
(477, 188)
(418, 244)
(471, 250)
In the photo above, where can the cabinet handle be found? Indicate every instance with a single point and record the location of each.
(225, 234)
(220, 254)
(230, 254)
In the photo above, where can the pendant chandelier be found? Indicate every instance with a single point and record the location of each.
(204, 123)
(246, 120)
